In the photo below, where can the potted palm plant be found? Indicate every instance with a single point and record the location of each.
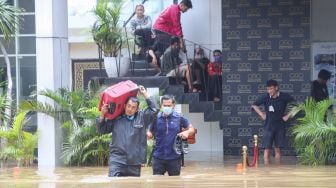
(315, 132)
(107, 32)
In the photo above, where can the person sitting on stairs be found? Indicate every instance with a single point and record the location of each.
(173, 66)
(141, 26)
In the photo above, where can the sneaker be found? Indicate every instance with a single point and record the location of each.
(185, 146)
(178, 145)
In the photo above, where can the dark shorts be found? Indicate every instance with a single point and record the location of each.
(146, 39)
(277, 137)
(160, 167)
(117, 169)
(163, 39)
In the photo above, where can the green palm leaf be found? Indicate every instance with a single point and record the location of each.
(20, 144)
(9, 19)
(315, 132)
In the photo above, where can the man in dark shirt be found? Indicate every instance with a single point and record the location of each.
(275, 103)
(129, 142)
(319, 89)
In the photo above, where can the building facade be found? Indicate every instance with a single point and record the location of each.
(261, 39)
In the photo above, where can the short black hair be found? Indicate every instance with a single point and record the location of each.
(324, 74)
(167, 97)
(271, 83)
(134, 100)
(217, 51)
(174, 39)
(139, 5)
(187, 3)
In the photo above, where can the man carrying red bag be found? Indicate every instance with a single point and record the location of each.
(129, 141)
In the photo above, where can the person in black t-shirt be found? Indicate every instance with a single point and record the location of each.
(319, 89)
(275, 103)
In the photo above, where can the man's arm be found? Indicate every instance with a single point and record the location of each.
(188, 132)
(103, 125)
(187, 128)
(133, 25)
(289, 100)
(261, 114)
(151, 109)
(149, 23)
(152, 54)
(176, 19)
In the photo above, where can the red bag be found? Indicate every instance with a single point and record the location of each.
(192, 138)
(116, 96)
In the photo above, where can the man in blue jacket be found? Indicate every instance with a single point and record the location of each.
(168, 125)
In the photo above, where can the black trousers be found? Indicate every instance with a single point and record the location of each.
(145, 39)
(119, 170)
(160, 167)
(162, 39)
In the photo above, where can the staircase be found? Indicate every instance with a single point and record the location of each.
(140, 67)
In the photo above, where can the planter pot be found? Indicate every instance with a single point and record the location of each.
(115, 66)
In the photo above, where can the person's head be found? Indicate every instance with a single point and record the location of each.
(131, 106)
(217, 55)
(272, 87)
(139, 10)
(185, 5)
(174, 43)
(324, 75)
(167, 104)
(199, 52)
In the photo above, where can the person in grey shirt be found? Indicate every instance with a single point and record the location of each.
(129, 141)
(141, 28)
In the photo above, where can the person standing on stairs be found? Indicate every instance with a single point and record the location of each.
(168, 24)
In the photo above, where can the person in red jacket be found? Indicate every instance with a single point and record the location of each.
(215, 76)
(168, 24)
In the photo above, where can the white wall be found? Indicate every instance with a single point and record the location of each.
(203, 23)
(209, 137)
(83, 50)
(323, 26)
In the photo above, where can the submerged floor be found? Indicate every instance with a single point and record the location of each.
(202, 170)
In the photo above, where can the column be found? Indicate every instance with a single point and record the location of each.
(53, 72)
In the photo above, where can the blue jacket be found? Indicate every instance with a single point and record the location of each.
(165, 129)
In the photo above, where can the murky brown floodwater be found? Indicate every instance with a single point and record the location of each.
(202, 170)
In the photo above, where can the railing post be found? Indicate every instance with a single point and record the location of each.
(255, 140)
(244, 157)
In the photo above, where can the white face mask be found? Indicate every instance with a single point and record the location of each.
(166, 110)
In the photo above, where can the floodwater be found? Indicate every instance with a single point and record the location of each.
(201, 170)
